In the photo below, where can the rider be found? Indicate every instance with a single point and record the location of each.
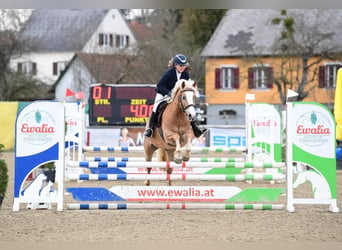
(178, 69)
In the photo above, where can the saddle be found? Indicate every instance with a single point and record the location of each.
(160, 111)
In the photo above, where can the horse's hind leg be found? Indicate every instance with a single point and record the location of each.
(147, 182)
(149, 150)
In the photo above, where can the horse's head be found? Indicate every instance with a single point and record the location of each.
(187, 92)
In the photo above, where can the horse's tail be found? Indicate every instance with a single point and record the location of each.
(161, 155)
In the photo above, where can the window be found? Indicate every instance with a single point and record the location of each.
(28, 68)
(58, 67)
(328, 74)
(227, 77)
(121, 41)
(106, 39)
(227, 112)
(260, 77)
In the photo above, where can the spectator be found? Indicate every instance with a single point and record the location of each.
(125, 140)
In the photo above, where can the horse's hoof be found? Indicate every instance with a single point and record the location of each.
(147, 183)
(186, 158)
(178, 161)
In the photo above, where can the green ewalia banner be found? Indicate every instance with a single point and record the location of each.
(311, 141)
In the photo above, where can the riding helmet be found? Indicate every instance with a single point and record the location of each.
(180, 59)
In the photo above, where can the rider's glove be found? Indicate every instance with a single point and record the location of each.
(168, 98)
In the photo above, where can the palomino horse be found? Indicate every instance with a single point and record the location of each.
(173, 136)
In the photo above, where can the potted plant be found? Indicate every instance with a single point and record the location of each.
(3, 177)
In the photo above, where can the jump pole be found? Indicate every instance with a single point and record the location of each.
(173, 206)
(125, 164)
(190, 177)
(203, 150)
(140, 159)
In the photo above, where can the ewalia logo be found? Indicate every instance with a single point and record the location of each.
(313, 128)
(37, 127)
(313, 117)
(38, 116)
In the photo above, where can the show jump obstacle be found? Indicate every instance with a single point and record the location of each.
(310, 140)
(39, 140)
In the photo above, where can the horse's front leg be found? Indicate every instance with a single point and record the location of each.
(147, 182)
(187, 148)
(178, 151)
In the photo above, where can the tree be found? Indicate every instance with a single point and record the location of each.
(15, 86)
(302, 45)
(164, 37)
(179, 31)
(199, 25)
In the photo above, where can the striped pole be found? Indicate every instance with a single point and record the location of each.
(203, 150)
(207, 150)
(192, 177)
(112, 149)
(125, 164)
(192, 206)
(140, 159)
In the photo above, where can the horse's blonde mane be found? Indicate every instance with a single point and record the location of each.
(188, 83)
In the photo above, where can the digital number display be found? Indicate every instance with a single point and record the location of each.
(120, 105)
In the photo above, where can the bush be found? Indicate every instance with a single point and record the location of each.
(3, 175)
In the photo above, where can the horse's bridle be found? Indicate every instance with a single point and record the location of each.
(181, 103)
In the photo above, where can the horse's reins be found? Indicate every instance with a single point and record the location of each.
(161, 100)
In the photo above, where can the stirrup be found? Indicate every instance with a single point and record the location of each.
(148, 132)
(204, 131)
(198, 132)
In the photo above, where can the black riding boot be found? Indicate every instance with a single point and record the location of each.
(197, 131)
(153, 120)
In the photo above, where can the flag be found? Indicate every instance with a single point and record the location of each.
(291, 93)
(338, 105)
(68, 92)
(250, 97)
(79, 95)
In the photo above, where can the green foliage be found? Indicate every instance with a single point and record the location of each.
(21, 87)
(300, 41)
(15, 86)
(287, 25)
(179, 31)
(193, 31)
(3, 175)
(283, 12)
(276, 21)
(199, 24)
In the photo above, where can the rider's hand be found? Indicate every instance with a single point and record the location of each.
(168, 98)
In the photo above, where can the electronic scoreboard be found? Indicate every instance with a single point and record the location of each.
(126, 104)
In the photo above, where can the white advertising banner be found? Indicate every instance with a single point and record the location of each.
(39, 141)
(227, 137)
